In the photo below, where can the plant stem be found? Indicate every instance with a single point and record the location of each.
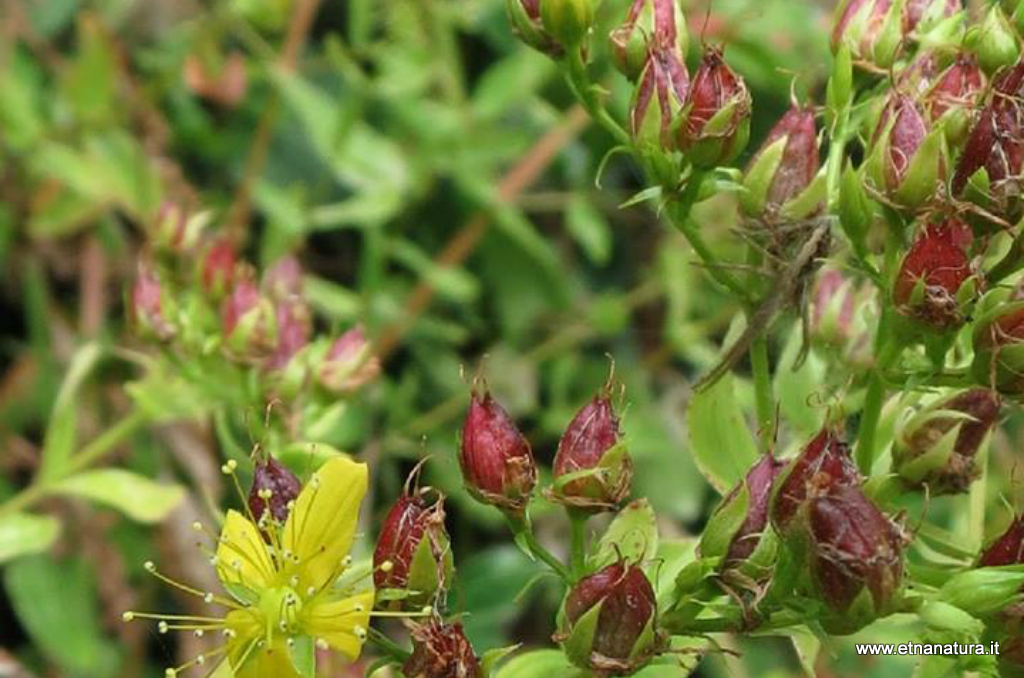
(523, 530)
(763, 394)
(583, 89)
(578, 521)
(89, 454)
(388, 646)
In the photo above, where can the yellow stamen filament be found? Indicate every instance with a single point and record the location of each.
(205, 595)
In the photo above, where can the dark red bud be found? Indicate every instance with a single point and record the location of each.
(823, 464)
(411, 520)
(958, 87)
(660, 95)
(441, 651)
(853, 546)
(583, 447)
(996, 143)
(905, 137)
(1007, 549)
(219, 267)
(628, 605)
(497, 464)
(274, 487)
(938, 259)
(716, 87)
(799, 162)
(760, 482)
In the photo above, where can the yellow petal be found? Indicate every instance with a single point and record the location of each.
(322, 523)
(242, 556)
(336, 620)
(269, 662)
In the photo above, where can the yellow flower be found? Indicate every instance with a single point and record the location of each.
(288, 587)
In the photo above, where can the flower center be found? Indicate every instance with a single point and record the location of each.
(280, 608)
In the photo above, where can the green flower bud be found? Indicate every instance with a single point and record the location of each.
(871, 29)
(949, 624)
(567, 21)
(937, 445)
(984, 592)
(527, 25)
(994, 41)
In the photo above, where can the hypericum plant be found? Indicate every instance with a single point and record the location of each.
(906, 177)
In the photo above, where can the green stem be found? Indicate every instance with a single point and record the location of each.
(583, 89)
(388, 646)
(523, 531)
(763, 394)
(578, 521)
(89, 454)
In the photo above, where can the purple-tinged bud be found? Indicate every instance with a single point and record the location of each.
(938, 445)
(152, 309)
(873, 30)
(1007, 548)
(936, 281)
(990, 166)
(651, 26)
(783, 168)
(294, 325)
(218, 273)
(856, 558)
(527, 25)
(441, 651)
(248, 322)
(171, 232)
(923, 14)
(592, 469)
(283, 280)
(349, 363)
(999, 341)
(658, 99)
(841, 316)
(738, 531)
(717, 116)
(951, 100)
(824, 464)
(608, 621)
(908, 161)
(274, 488)
(412, 560)
(496, 460)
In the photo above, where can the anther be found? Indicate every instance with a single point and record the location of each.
(360, 632)
(149, 566)
(127, 616)
(198, 633)
(170, 673)
(162, 627)
(208, 598)
(387, 566)
(321, 644)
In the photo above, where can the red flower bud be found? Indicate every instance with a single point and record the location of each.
(413, 553)
(759, 482)
(219, 268)
(856, 557)
(907, 163)
(616, 610)
(990, 166)
(274, 487)
(592, 469)
(1007, 549)
(938, 445)
(824, 463)
(957, 88)
(283, 280)
(651, 26)
(248, 321)
(294, 325)
(497, 464)
(658, 99)
(785, 165)
(931, 283)
(874, 29)
(441, 651)
(349, 363)
(717, 123)
(151, 310)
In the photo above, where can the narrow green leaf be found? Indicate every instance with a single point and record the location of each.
(61, 434)
(719, 438)
(24, 533)
(136, 496)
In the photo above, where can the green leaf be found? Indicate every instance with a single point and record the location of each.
(633, 535)
(302, 653)
(539, 664)
(136, 496)
(25, 533)
(796, 388)
(55, 601)
(61, 434)
(719, 438)
(589, 228)
(490, 658)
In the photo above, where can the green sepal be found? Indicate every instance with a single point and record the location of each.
(529, 30)
(489, 659)
(758, 179)
(948, 623)
(302, 654)
(890, 37)
(579, 640)
(809, 201)
(916, 469)
(925, 172)
(724, 523)
(840, 84)
(568, 21)
(426, 575)
(994, 41)
(859, 614)
(855, 212)
(985, 591)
